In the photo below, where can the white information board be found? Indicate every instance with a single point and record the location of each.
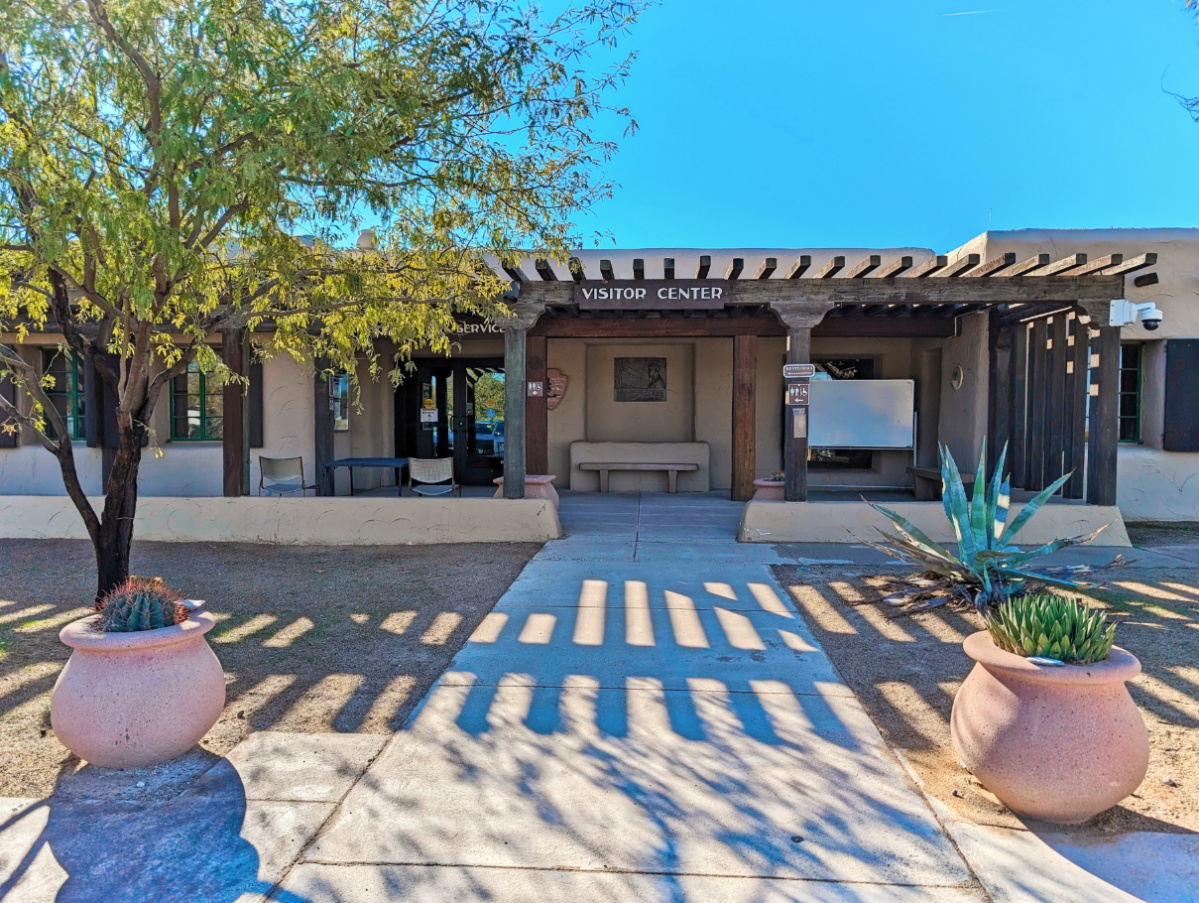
(862, 413)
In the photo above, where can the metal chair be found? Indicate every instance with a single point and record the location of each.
(281, 476)
(432, 474)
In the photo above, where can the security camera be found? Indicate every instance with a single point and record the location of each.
(1125, 312)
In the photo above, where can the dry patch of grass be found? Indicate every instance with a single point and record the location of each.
(311, 639)
(906, 671)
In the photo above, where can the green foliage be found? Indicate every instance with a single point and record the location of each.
(1052, 627)
(988, 566)
(140, 604)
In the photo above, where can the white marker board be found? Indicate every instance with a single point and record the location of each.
(861, 413)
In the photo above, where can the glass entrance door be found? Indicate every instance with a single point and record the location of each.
(457, 408)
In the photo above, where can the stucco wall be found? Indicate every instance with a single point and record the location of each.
(963, 412)
(1157, 485)
(672, 420)
(714, 407)
(772, 353)
(567, 422)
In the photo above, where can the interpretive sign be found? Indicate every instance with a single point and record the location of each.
(640, 378)
(799, 371)
(653, 294)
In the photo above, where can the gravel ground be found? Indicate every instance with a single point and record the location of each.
(311, 639)
(906, 671)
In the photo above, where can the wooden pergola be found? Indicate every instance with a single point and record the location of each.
(1054, 356)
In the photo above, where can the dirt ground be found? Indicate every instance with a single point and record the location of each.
(906, 671)
(311, 639)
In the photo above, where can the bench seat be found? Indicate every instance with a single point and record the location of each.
(672, 470)
(928, 483)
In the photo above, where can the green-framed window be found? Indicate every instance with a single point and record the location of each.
(67, 393)
(1130, 393)
(197, 407)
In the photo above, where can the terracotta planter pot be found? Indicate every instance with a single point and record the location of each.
(1056, 743)
(126, 700)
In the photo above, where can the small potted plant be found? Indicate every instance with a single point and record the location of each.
(142, 685)
(1044, 720)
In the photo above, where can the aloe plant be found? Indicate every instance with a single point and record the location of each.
(1052, 627)
(988, 566)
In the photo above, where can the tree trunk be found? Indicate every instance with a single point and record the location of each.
(114, 540)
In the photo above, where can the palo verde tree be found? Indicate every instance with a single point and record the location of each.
(171, 169)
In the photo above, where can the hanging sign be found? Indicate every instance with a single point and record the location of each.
(797, 394)
(799, 371)
(653, 294)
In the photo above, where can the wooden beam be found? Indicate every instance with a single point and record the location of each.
(1131, 265)
(927, 267)
(515, 392)
(994, 265)
(577, 272)
(544, 270)
(1104, 441)
(705, 264)
(959, 266)
(515, 273)
(662, 327)
(864, 268)
(745, 417)
(801, 266)
(606, 272)
(831, 269)
(536, 409)
(1055, 409)
(1075, 413)
(1099, 264)
(1145, 281)
(998, 388)
(735, 268)
(667, 267)
(638, 268)
(766, 270)
(1018, 406)
(1027, 266)
(1068, 262)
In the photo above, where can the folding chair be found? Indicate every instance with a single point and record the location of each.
(281, 476)
(429, 476)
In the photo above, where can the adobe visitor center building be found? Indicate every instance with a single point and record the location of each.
(791, 380)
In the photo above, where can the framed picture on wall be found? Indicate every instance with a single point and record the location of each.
(640, 378)
(339, 400)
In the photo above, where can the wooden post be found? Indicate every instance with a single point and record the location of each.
(1018, 406)
(1055, 413)
(1077, 398)
(516, 390)
(745, 415)
(235, 435)
(998, 392)
(536, 410)
(1102, 461)
(795, 426)
(1038, 366)
(322, 408)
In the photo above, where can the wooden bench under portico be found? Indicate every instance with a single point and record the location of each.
(635, 466)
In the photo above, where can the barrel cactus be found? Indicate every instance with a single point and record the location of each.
(141, 603)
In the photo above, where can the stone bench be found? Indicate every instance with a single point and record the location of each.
(537, 486)
(672, 471)
(927, 482)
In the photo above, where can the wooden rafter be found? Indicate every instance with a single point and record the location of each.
(830, 269)
(638, 268)
(514, 272)
(544, 270)
(927, 267)
(735, 268)
(1132, 265)
(1026, 266)
(577, 273)
(606, 271)
(766, 270)
(705, 264)
(1099, 264)
(861, 270)
(801, 266)
(667, 267)
(1068, 262)
(992, 266)
(894, 268)
(960, 266)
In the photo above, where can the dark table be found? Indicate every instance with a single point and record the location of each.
(397, 463)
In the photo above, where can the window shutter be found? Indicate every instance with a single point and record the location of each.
(1182, 401)
(255, 403)
(9, 391)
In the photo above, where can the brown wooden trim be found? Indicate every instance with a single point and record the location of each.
(760, 325)
(1055, 408)
(322, 410)
(998, 389)
(1038, 385)
(745, 418)
(1102, 452)
(254, 399)
(515, 405)
(536, 410)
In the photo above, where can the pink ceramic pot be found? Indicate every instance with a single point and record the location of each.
(1057, 743)
(126, 700)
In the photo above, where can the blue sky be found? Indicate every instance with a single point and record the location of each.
(793, 123)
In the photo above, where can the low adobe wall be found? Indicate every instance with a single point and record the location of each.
(298, 521)
(852, 522)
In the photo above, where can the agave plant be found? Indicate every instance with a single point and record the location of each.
(1052, 627)
(988, 565)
